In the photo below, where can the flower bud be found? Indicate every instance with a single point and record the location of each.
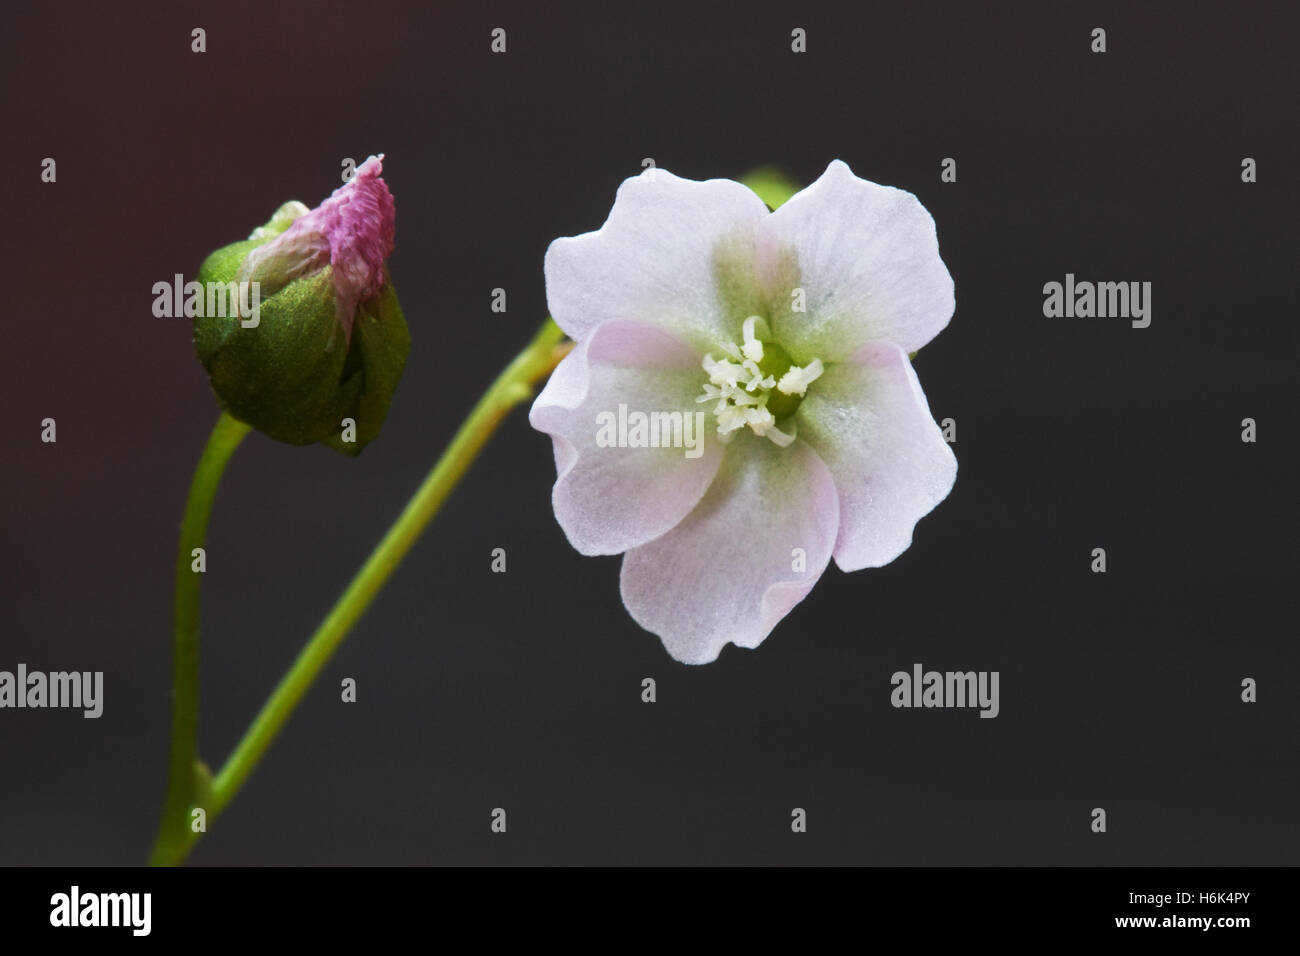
(316, 347)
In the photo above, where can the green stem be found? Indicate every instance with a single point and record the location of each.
(186, 772)
(512, 386)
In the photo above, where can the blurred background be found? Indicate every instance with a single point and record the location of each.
(522, 690)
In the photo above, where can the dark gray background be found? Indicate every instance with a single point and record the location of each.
(522, 690)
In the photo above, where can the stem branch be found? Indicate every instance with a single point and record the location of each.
(183, 780)
(511, 387)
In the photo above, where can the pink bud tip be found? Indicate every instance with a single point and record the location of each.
(352, 230)
(358, 221)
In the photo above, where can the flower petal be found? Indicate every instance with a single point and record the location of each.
(655, 260)
(352, 230)
(868, 261)
(869, 421)
(725, 574)
(609, 499)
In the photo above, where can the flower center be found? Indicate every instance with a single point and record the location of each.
(756, 384)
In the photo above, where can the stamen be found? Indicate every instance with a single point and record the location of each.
(797, 380)
(781, 439)
(752, 347)
(741, 390)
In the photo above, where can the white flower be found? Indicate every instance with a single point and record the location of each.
(790, 331)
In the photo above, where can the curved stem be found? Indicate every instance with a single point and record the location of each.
(184, 778)
(511, 387)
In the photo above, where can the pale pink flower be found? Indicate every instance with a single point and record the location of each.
(790, 332)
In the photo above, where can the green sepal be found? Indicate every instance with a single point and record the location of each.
(772, 185)
(381, 340)
(222, 266)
